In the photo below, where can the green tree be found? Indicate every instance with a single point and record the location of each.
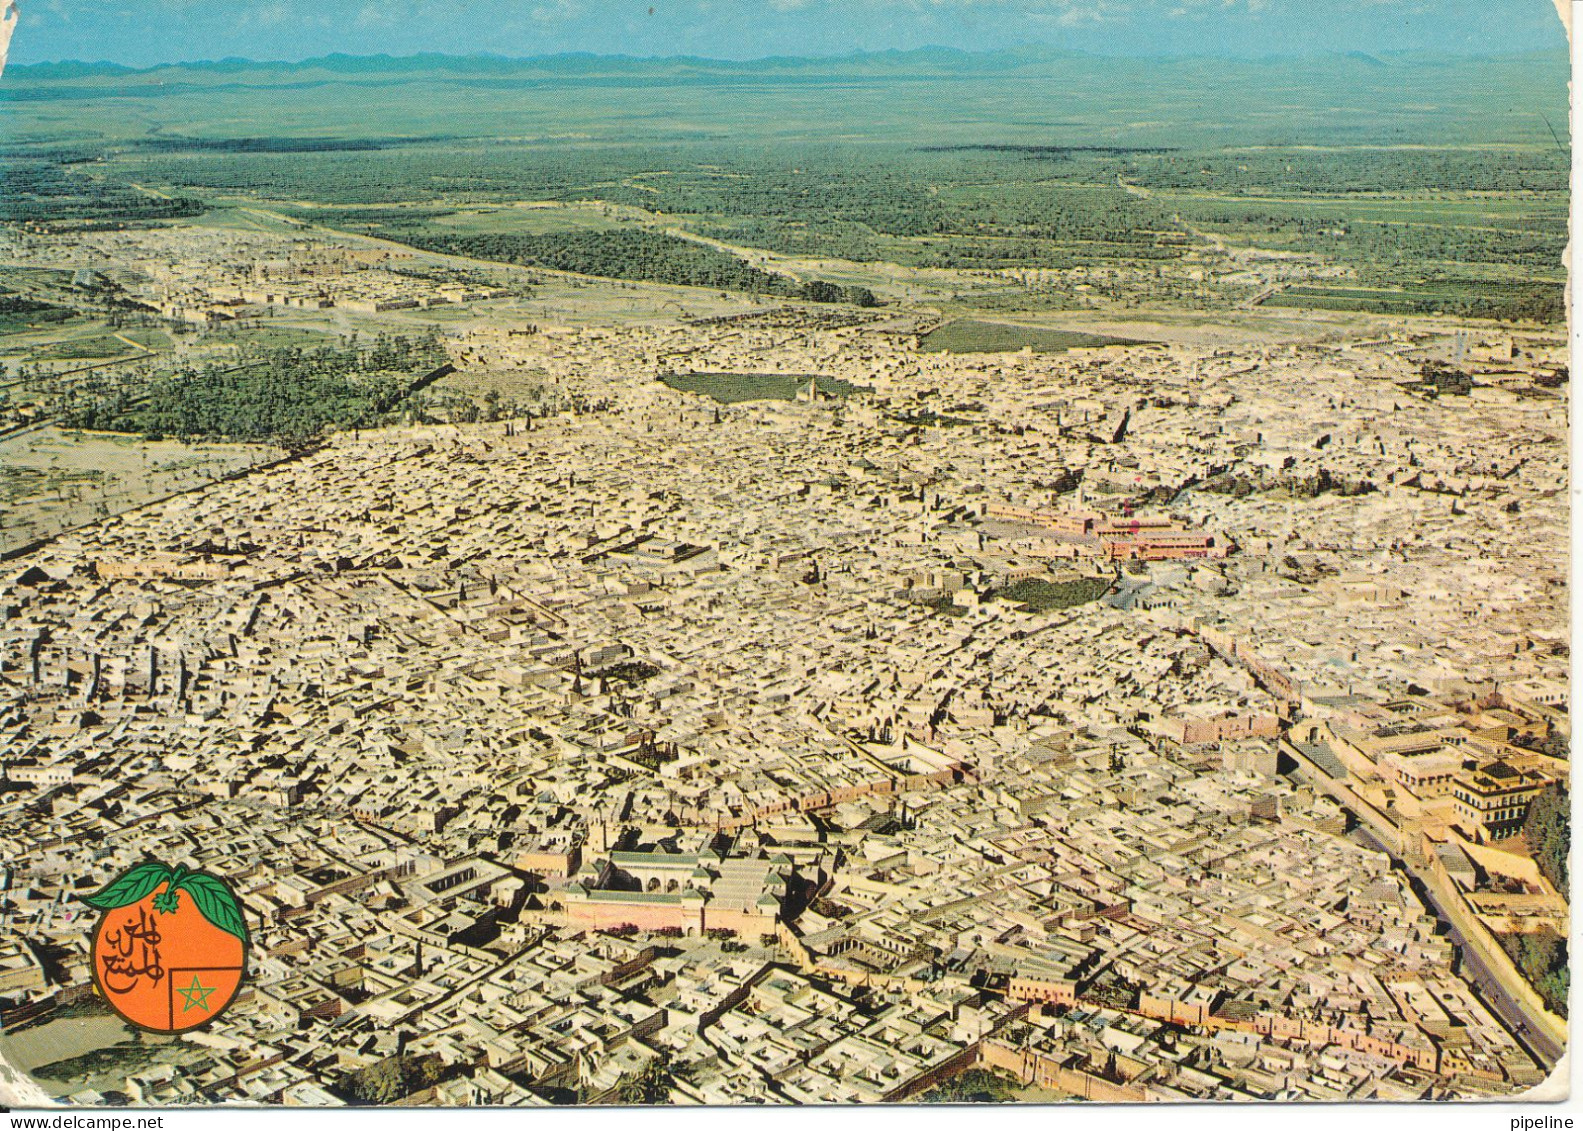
(651, 1086)
(394, 1078)
(1548, 830)
(1542, 958)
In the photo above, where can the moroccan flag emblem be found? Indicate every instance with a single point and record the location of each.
(170, 952)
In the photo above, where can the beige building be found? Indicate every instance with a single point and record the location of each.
(1492, 802)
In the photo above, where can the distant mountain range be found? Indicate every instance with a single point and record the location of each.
(920, 62)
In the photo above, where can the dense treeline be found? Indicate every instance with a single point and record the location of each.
(19, 304)
(824, 201)
(956, 209)
(975, 1086)
(817, 290)
(39, 191)
(1366, 169)
(18, 313)
(1046, 595)
(167, 143)
(288, 396)
(1533, 302)
(394, 1078)
(1548, 829)
(1533, 236)
(1388, 244)
(1521, 304)
(1542, 958)
(626, 254)
(633, 253)
(1051, 152)
(838, 239)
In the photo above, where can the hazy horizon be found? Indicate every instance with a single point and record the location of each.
(491, 56)
(292, 31)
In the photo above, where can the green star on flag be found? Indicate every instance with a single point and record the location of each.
(197, 995)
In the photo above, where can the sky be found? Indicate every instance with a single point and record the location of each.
(159, 31)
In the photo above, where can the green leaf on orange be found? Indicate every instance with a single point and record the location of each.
(215, 902)
(129, 887)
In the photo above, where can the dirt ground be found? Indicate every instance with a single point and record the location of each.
(52, 481)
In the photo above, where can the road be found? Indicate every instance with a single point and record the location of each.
(1484, 982)
(1526, 1024)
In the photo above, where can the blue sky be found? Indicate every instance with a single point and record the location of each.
(156, 31)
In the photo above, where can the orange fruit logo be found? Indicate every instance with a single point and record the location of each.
(170, 952)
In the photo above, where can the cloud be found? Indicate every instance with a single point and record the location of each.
(556, 11)
(269, 15)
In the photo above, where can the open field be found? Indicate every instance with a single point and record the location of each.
(731, 388)
(972, 336)
(516, 218)
(94, 347)
(70, 1053)
(52, 480)
(269, 336)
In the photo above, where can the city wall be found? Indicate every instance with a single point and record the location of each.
(1034, 1067)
